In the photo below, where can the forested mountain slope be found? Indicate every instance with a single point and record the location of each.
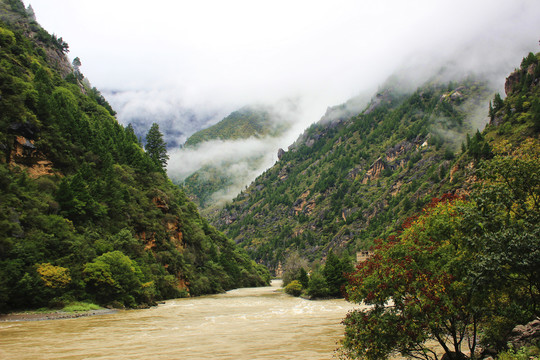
(207, 186)
(241, 124)
(85, 214)
(351, 179)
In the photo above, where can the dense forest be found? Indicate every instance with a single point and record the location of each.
(86, 214)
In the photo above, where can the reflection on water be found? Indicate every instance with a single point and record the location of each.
(255, 323)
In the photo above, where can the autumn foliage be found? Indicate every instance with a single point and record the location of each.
(412, 285)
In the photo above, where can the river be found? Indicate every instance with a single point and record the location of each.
(252, 323)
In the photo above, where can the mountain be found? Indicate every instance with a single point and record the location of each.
(214, 179)
(249, 121)
(351, 178)
(85, 213)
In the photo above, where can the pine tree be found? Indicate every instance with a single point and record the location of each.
(156, 148)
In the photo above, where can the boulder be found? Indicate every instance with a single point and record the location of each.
(525, 335)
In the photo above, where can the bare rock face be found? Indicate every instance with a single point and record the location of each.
(24, 154)
(511, 82)
(375, 171)
(59, 61)
(397, 150)
(524, 335)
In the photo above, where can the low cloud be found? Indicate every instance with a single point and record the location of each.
(176, 121)
(187, 64)
(185, 161)
(233, 159)
(221, 55)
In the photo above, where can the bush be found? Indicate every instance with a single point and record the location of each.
(521, 354)
(114, 276)
(294, 288)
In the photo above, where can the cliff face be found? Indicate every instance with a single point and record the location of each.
(24, 20)
(24, 154)
(522, 105)
(514, 82)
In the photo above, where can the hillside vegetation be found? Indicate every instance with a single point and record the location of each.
(349, 179)
(85, 213)
(208, 185)
(241, 124)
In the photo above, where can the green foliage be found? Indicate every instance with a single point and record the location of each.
(113, 276)
(294, 288)
(525, 353)
(503, 231)
(293, 268)
(478, 147)
(425, 276)
(303, 278)
(462, 270)
(317, 286)
(207, 185)
(77, 306)
(85, 213)
(241, 124)
(334, 272)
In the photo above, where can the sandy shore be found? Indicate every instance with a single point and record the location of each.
(53, 315)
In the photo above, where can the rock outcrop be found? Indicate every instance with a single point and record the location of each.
(514, 79)
(511, 81)
(525, 335)
(375, 170)
(25, 155)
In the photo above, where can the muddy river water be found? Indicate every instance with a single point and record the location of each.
(254, 323)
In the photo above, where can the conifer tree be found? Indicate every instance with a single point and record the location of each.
(156, 148)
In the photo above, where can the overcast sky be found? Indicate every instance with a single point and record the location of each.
(188, 64)
(208, 52)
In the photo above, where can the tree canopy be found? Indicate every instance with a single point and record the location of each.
(156, 148)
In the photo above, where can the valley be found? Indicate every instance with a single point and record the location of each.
(391, 223)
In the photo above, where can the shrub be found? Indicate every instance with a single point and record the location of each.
(294, 288)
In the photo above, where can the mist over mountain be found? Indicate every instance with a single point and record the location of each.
(210, 63)
(218, 162)
(176, 121)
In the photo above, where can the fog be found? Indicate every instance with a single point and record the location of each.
(241, 160)
(187, 64)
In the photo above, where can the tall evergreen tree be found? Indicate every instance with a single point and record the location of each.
(156, 148)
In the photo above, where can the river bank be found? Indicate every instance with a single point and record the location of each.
(54, 315)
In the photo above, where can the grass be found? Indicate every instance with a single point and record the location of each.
(75, 306)
(80, 306)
